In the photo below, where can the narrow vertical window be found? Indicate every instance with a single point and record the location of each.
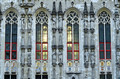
(11, 36)
(41, 36)
(72, 36)
(102, 76)
(104, 36)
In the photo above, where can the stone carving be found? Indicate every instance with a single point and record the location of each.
(92, 40)
(28, 74)
(54, 40)
(29, 59)
(54, 56)
(117, 23)
(86, 24)
(60, 39)
(22, 73)
(60, 21)
(54, 22)
(85, 39)
(60, 58)
(86, 59)
(92, 24)
(22, 59)
(23, 23)
(29, 39)
(22, 40)
(92, 59)
(86, 55)
(29, 22)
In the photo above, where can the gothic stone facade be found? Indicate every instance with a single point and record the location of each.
(59, 39)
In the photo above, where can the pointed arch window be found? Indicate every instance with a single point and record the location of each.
(72, 36)
(104, 36)
(41, 36)
(11, 36)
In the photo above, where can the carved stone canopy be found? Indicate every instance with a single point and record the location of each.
(86, 64)
(60, 30)
(60, 12)
(54, 9)
(116, 13)
(54, 47)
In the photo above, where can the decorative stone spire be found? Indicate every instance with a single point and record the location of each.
(54, 9)
(60, 12)
(91, 10)
(0, 13)
(85, 12)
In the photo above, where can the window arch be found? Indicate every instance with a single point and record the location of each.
(104, 36)
(41, 36)
(11, 36)
(72, 36)
(73, 77)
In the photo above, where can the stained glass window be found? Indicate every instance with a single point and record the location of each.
(41, 36)
(11, 36)
(72, 36)
(104, 36)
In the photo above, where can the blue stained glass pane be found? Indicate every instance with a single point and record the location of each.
(76, 33)
(101, 32)
(107, 32)
(101, 54)
(7, 55)
(7, 46)
(38, 33)
(13, 55)
(7, 33)
(102, 76)
(108, 55)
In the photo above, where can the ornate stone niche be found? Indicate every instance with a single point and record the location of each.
(23, 25)
(29, 63)
(29, 22)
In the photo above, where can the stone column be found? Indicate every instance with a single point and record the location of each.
(60, 44)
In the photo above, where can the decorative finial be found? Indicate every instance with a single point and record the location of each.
(104, 4)
(91, 10)
(0, 11)
(72, 3)
(41, 4)
(54, 9)
(85, 12)
(12, 4)
(60, 12)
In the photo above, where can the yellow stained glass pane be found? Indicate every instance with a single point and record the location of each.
(76, 55)
(44, 55)
(44, 39)
(44, 46)
(69, 34)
